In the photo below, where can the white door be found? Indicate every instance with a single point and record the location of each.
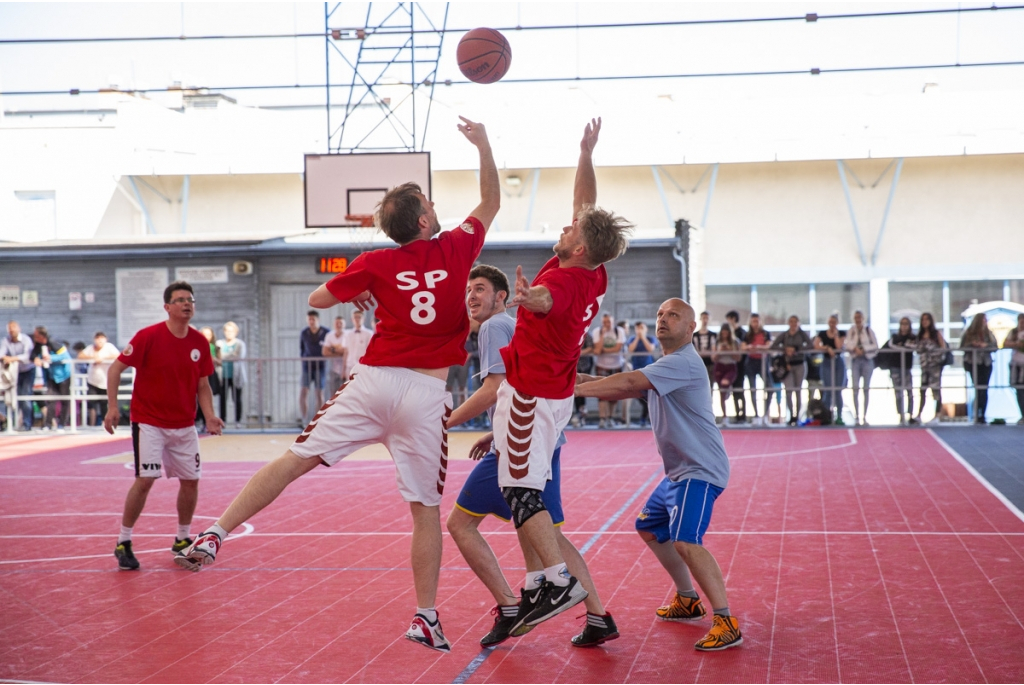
(288, 307)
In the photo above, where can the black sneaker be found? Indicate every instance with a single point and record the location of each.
(180, 544)
(599, 629)
(527, 603)
(126, 561)
(502, 629)
(554, 599)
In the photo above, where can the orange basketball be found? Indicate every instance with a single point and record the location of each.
(484, 55)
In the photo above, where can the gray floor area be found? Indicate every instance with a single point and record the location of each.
(997, 452)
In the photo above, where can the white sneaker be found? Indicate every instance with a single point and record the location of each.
(428, 634)
(202, 552)
(933, 422)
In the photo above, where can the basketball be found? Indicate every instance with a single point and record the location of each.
(484, 55)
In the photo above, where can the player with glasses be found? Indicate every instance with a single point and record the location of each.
(172, 366)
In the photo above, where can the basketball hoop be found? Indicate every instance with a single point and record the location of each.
(363, 220)
(361, 231)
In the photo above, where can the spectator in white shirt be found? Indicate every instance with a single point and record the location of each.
(334, 347)
(102, 354)
(862, 345)
(356, 341)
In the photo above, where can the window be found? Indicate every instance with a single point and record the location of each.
(844, 298)
(776, 303)
(962, 294)
(721, 299)
(911, 299)
(1016, 291)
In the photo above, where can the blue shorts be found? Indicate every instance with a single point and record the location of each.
(481, 495)
(679, 511)
(313, 374)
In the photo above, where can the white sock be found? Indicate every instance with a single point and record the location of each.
(557, 575)
(183, 530)
(125, 536)
(533, 580)
(218, 530)
(430, 614)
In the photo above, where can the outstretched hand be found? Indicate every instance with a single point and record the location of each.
(474, 131)
(590, 135)
(481, 447)
(522, 288)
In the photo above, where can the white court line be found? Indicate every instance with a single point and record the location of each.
(505, 532)
(811, 450)
(247, 529)
(981, 479)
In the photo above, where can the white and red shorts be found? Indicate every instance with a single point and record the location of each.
(174, 449)
(404, 410)
(526, 431)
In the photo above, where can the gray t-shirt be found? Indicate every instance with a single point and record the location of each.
(690, 443)
(496, 333)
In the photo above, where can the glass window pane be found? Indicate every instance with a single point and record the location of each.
(911, 299)
(778, 302)
(962, 294)
(842, 299)
(1017, 291)
(721, 299)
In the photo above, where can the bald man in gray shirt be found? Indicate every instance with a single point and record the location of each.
(676, 516)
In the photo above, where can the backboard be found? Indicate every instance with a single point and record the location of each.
(344, 185)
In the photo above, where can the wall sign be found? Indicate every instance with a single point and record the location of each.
(195, 275)
(10, 296)
(140, 300)
(29, 298)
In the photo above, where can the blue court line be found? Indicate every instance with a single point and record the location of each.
(480, 658)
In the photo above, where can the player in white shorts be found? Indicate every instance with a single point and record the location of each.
(535, 401)
(172, 367)
(397, 395)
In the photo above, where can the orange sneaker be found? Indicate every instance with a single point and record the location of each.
(725, 633)
(682, 609)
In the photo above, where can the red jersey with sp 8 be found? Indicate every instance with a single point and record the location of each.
(541, 359)
(167, 373)
(420, 289)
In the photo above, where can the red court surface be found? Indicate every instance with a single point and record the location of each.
(851, 556)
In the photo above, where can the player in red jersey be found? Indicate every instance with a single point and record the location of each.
(172, 364)
(397, 393)
(535, 401)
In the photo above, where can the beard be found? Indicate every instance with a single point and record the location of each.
(435, 227)
(563, 251)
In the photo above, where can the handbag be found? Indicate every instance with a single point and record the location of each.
(779, 368)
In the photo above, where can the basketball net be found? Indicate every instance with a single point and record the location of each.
(361, 231)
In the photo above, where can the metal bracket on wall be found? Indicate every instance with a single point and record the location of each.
(843, 168)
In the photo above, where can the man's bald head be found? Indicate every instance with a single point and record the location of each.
(676, 323)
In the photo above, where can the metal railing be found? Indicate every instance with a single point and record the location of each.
(266, 393)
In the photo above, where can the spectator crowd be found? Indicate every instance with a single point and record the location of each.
(792, 366)
(41, 369)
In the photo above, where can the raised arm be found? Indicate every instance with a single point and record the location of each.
(490, 189)
(584, 190)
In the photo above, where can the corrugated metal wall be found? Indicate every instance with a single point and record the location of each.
(639, 282)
